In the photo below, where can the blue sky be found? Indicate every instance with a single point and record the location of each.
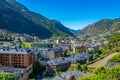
(75, 14)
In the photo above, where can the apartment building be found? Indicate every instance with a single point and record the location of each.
(50, 53)
(18, 58)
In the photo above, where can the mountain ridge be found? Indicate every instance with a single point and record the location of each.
(21, 12)
(101, 27)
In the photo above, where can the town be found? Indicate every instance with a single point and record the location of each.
(19, 52)
(59, 40)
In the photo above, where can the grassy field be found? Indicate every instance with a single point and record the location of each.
(26, 44)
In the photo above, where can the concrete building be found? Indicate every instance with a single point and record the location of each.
(50, 53)
(66, 47)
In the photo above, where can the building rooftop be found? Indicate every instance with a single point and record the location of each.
(69, 74)
(15, 51)
(57, 78)
(43, 49)
(43, 43)
(57, 61)
(72, 59)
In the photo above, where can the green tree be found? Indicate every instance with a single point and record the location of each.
(65, 53)
(78, 67)
(58, 74)
(84, 68)
(37, 69)
(8, 76)
(99, 70)
(109, 74)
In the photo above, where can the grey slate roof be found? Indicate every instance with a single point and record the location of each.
(68, 74)
(15, 51)
(57, 78)
(72, 59)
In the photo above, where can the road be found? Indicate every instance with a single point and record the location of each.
(102, 62)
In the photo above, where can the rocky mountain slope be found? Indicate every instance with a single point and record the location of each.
(101, 27)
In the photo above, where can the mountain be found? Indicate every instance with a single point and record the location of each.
(75, 32)
(101, 27)
(17, 18)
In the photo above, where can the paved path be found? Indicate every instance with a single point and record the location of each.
(102, 62)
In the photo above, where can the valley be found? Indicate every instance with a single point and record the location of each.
(35, 47)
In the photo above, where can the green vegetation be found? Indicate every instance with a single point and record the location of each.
(39, 25)
(31, 79)
(26, 44)
(104, 74)
(99, 70)
(37, 70)
(4, 42)
(115, 58)
(112, 46)
(79, 67)
(79, 51)
(7, 76)
(65, 54)
(6, 38)
(58, 74)
(46, 79)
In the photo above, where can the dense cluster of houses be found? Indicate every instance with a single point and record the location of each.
(71, 75)
(62, 64)
(17, 58)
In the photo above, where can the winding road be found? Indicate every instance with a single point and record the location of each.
(102, 62)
